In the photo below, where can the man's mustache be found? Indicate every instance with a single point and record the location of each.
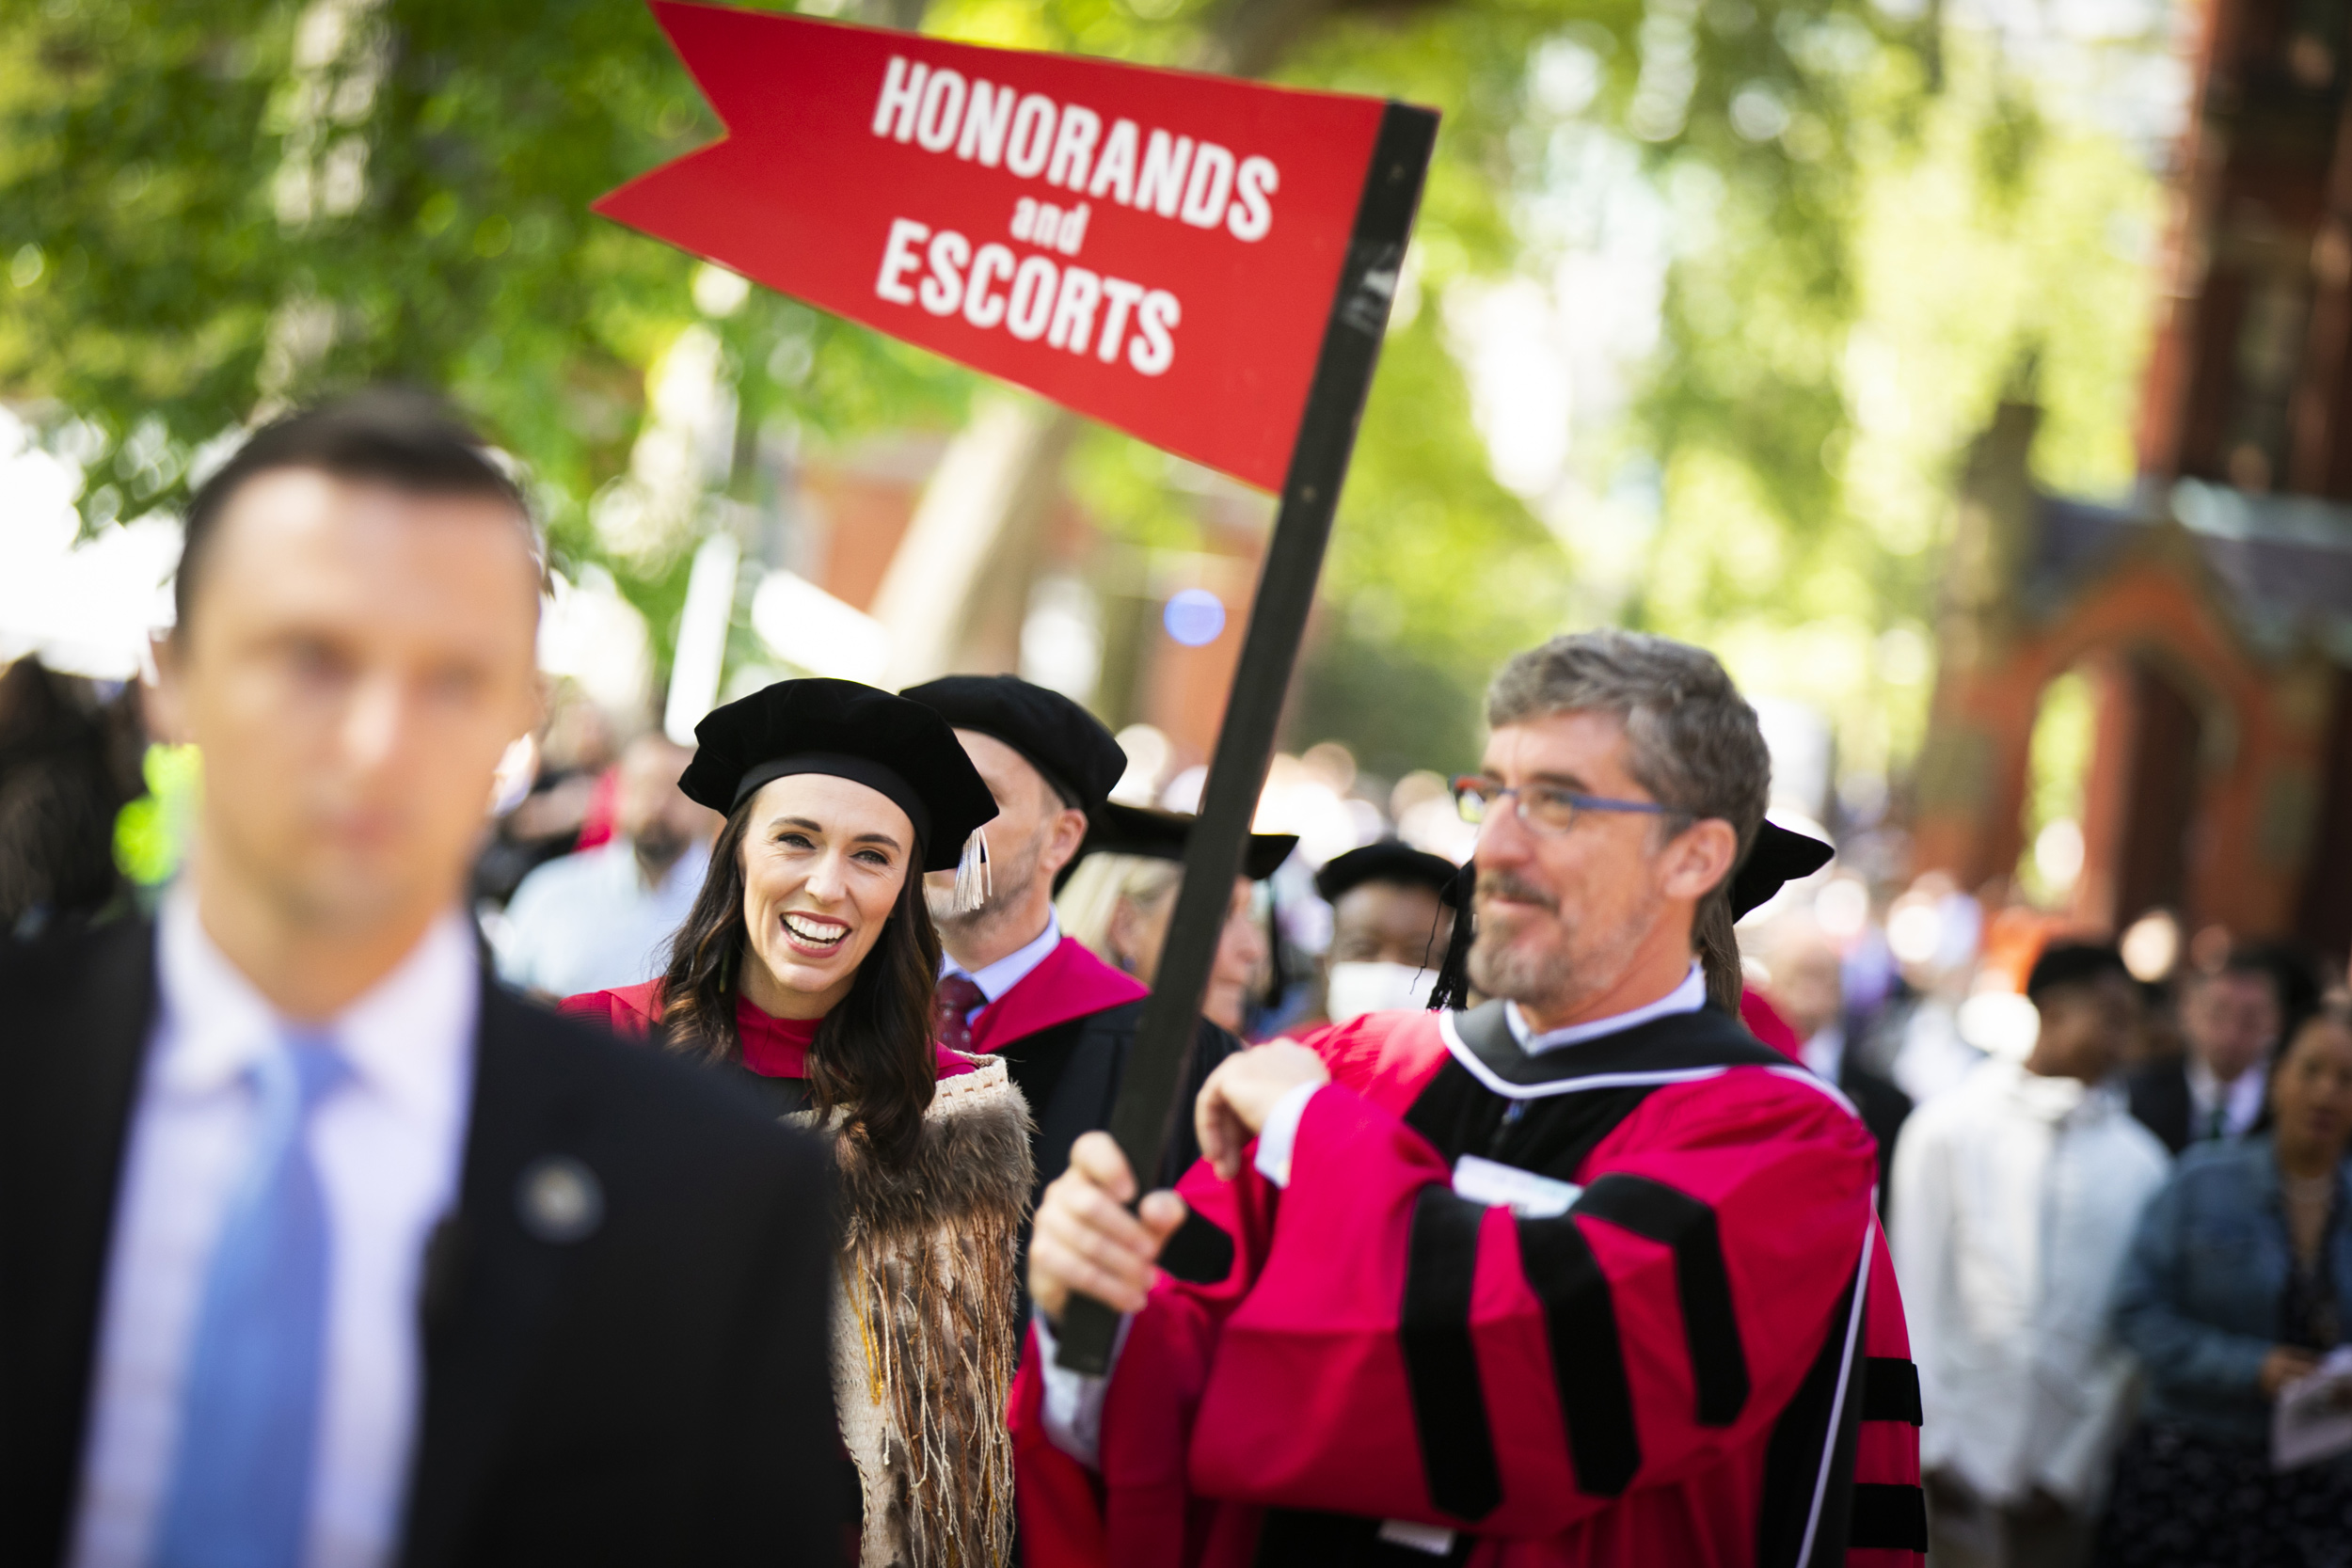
(1519, 889)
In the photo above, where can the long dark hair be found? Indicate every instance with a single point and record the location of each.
(872, 1055)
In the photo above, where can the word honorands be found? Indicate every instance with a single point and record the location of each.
(1033, 297)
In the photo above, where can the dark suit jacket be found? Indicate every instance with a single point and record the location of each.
(1070, 1073)
(2159, 1097)
(657, 1392)
(1883, 1108)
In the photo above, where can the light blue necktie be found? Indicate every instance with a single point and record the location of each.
(240, 1492)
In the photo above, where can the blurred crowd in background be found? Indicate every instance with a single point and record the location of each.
(592, 855)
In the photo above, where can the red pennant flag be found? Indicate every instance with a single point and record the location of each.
(1154, 249)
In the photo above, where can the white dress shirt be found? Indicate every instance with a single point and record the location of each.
(1009, 971)
(589, 921)
(2015, 1198)
(388, 1147)
(1688, 997)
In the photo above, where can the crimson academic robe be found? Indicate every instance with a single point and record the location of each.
(1701, 1362)
(1064, 1032)
(773, 1064)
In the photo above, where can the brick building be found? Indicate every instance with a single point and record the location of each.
(2213, 620)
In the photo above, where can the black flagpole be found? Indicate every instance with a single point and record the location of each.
(1144, 1115)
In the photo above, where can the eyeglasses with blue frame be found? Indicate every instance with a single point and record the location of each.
(1548, 809)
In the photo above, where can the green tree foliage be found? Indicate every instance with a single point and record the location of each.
(207, 210)
(210, 210)
(1996, 242)
(1437, 571)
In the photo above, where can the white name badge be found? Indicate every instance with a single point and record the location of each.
(1432, 1539)
(1524, 1193)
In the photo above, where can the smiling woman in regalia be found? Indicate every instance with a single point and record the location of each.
(808, 968)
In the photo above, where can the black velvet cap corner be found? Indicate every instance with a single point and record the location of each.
(1778, 856)
(1120, 829)
(851, 730)
(1074, 751)
(1388, 861)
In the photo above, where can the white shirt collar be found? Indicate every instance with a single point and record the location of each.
(410, 1037)
(2050, 1099)
(1009, 971)
(1688, 997)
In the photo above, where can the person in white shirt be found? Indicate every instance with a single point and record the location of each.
(315, 1248)
(2015, 1198)
(603, 918)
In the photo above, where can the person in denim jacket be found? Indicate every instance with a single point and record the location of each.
(2239, 1280)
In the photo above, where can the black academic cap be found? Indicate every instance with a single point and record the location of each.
(1069, 746)
(1778, 856)
(1389, 861)
(1120, 829)
(902, 749)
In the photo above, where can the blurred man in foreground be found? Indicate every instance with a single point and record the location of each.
(603, 918)
(318, 1249)
(1576, 1277)
(2016, 1194)
(2230, 1020)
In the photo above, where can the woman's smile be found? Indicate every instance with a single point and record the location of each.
(818, 936)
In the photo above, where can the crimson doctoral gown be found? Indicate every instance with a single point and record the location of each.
(1064, 1031)
(1681, 1345)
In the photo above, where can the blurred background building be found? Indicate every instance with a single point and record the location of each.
(2149, 703)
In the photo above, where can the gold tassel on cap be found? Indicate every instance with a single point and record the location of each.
(975, 881)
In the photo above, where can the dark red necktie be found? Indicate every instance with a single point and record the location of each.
(957, 995)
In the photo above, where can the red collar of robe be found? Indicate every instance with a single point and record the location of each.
(1765, 1022)
(772, 1047)
(1068, 982)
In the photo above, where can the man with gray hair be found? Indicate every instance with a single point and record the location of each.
(1583, 1274)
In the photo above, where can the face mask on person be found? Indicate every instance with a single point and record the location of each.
(1357, 989)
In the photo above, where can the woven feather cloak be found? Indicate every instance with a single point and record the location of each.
(924, 1336)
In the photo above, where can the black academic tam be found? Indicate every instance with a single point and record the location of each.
(1388, 861)
(902, 749)
(1077, 755)
(1120, 829)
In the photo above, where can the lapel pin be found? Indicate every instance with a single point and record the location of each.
(559, 1199)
